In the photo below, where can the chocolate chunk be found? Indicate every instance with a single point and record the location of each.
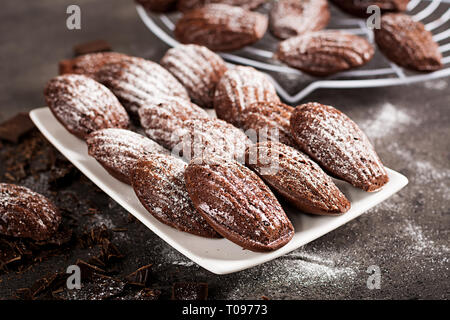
(11, 130)
(9, 252)
(88, 270)
(42, 288)
(94, 236)
(190, 291)
(140, 277)
(91, 47)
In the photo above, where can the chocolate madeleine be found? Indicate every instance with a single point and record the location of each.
(158, 5)
(269, 121)
(138, 80)
(359, 7)
(335, 142)
(297, 178)
(407, 43)
(290, 18)
(158, 181)
(186, 5)
(118, 150)
(201, 138)
(237, 204)
(221, 27)
(83, 105)
(198, 69)
(325, 52)
(163, 117)
(89, 64)
(238, 89)
(27, 214)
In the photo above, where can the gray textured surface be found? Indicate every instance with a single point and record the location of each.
(407, 236)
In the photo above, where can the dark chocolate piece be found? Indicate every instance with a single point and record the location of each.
(92, 47)
(14, 128)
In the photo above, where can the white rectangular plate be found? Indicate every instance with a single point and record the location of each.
(219, 256)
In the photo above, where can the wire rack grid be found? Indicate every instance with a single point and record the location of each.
(293, 85)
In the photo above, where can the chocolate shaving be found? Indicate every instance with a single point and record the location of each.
(140, 277)
(88, 270)
(42, 288)
(94, 237)
(20, 254)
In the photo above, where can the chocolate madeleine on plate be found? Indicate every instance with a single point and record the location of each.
(269, 121)
(238, 89)
(136, 81)
(237, 204)
(335, 142)
(198, 69)
(83, 105)
(89, 64)
(158, 181)
(163, 117)
(297, 178)
(27, 214)
(118, 150)
(201, 138)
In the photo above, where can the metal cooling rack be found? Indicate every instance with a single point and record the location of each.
(293, 85)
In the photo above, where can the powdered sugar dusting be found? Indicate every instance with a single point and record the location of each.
(387, 120)
(269, 121)
(90, 64)
(439, 85)
(425, 172)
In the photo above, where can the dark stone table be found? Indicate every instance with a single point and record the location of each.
(407, 236)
